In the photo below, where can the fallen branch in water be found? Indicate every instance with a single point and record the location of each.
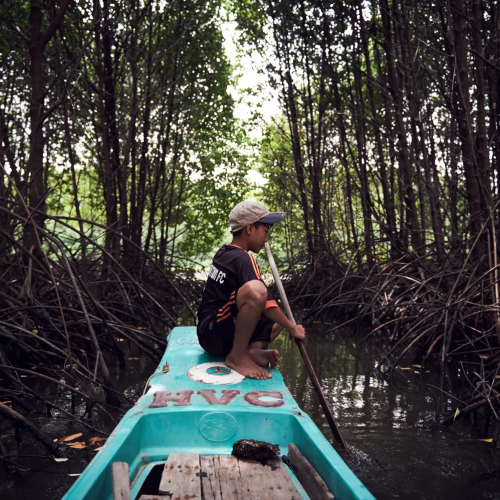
(18, 420)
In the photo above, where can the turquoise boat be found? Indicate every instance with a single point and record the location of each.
(196, 405)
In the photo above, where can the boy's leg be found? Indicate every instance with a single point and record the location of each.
(251, 300)
(262, 344)
(275, 331)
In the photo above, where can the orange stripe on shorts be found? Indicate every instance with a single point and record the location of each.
(224, 309)
(224, 317)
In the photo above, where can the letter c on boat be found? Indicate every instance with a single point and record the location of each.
(254, 398)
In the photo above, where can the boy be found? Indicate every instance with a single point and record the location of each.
(238, 316)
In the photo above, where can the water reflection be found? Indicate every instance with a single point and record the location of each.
(396, 447)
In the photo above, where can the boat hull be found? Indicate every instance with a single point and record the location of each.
(179, 414)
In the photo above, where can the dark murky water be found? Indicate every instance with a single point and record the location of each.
(47, 479)
(396, 448)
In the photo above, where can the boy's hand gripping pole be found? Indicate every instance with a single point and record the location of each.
(310, 370)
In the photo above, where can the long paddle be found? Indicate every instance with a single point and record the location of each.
(310, 370)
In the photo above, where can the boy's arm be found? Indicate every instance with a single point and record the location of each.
(276, 314)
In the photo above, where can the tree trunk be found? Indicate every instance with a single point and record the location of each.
(314, 149)
(472, 174)
(345, 163)
(297, 158)
(107, 177)
(159, 179)
(118, 173)
(390, 227)
(130, 145)
(38, 40)
(283, 55)
(404, 164)
(481, 137)
(36, 193)
(360, 132)
(138, 214)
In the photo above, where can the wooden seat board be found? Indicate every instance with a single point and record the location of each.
(120, 481)
(269, 480)
(225, 477)
(210, 477)
(228, 473)
(181, 477)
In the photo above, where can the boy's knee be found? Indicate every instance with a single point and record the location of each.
(255, 291)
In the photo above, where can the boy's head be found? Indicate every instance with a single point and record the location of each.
(250, 221)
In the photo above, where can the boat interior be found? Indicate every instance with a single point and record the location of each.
(221, 477)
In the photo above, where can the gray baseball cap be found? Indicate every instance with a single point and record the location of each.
(248, 212)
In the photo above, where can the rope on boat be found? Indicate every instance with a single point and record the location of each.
(164, 369)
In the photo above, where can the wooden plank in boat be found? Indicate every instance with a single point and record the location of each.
(228, 471)
(226, 477)
(269, 480)
(311, 481)
(120, 481)
(210, 477)
(181, 476)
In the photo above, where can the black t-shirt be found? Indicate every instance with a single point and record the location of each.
(231, 268)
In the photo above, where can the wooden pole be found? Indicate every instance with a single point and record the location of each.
(310, 370)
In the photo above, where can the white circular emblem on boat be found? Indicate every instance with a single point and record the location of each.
(215, 373)
(217, 426)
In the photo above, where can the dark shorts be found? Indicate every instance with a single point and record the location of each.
(216, 330)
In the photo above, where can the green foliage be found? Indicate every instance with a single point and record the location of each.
(139, 122)
(168, 60)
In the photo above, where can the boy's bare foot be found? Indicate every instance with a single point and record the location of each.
(265, 356)
(246, 366)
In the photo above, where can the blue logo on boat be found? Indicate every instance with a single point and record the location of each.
(218, 370)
